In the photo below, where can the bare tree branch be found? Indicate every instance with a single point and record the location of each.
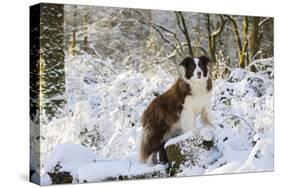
(201, 48)
(186, 33)
(179, 22)
(214, 35)
(166, 30)
(264, 21)
(160, 28)
(220, 29)
(166, 40)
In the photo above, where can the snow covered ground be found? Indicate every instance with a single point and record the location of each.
(98, 137)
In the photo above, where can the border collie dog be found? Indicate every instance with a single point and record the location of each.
(175, 111)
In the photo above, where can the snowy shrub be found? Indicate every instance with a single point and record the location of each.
(237, 75)
(263, 66)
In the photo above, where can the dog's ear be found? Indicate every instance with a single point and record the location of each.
(205, 59)
(184, 67)
(186, 61)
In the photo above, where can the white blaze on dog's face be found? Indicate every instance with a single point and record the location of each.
(195, 69)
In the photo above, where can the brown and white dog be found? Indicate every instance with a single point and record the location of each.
(176, 110)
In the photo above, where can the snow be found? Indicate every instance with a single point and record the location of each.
(113, 169)
(178, 139)
(70, 157)
(85, 165)
(207, 133)
(99, 135)
(191, 171)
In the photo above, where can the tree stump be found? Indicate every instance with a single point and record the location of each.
(186, 150)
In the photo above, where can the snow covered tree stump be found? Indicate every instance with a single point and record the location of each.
(187, 149)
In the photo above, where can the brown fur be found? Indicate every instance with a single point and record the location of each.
(209, 84)
(158, 119)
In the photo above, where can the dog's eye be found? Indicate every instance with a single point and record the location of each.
(201, 64)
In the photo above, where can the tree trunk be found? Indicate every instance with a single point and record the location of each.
(213, 36)
(254, 37)
(244, 58)
(85, 27)
(52, 75)
(186, 34)
(186, 149)
(208, 25)
(72, 47)
(237, 35)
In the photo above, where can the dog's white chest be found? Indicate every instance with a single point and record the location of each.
(195, 103)
(192, 107)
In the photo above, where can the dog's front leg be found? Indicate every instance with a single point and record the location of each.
(206, 116)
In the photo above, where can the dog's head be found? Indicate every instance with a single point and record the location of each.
(195, 69)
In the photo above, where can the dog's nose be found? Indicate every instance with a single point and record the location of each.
(199, 74)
